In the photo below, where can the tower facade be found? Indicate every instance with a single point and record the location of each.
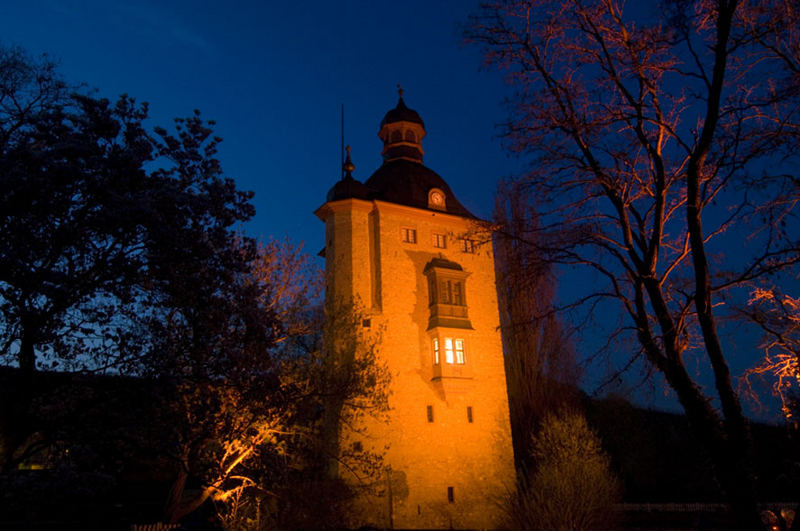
(399, 247)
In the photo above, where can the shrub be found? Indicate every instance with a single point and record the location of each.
(572, 485)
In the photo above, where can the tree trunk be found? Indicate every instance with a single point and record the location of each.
(27, 357)
(177, 508)
(18, 424)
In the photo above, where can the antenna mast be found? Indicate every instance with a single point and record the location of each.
(341, 150)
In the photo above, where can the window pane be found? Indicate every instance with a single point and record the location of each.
(448, 350)
(457, 296)
(460, 351)
(444, 292)
(436, 350)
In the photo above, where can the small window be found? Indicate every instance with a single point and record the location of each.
(451, 497)
(458, 296)
(459, 351)
(430, 413)
(408, 235)
(397, 136)
(451, 292)
(410, 136)
(453, 351)
(468, 246)
(449, 357)
(469, 414)
(436, 351)
(358, 447)
(366, 323)
(439, 241)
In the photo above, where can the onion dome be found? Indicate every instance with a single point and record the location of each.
(402, 131)
(402, 113)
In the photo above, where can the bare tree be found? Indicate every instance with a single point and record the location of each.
(648, 133)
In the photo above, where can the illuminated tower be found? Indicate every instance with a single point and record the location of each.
(399, 245)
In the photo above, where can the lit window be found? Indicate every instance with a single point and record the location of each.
(439, 241)
(467, 246)
(453, 351)
(459, 351)
(408, 235)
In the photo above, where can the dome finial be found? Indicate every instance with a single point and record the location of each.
(348, 166)
(399, 90)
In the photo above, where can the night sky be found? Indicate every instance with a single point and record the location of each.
(274, 76)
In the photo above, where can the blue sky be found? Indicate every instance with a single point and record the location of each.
(274, 76)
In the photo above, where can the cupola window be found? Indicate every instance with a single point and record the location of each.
(410, 136)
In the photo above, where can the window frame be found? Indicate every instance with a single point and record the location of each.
(439, 240)
(450, 351)
(408, 235)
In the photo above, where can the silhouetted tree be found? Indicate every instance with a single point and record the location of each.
(541, 368)
(97, 217)
(647, 134)
(119, 255)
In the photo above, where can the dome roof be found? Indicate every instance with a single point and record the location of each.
(407, 183)
(401, 113)
(348, 188)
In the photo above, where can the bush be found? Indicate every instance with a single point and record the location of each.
(572, 485)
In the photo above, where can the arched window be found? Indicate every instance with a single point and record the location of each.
(397, 136)
(410, 136)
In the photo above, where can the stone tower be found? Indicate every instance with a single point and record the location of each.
(399, 245)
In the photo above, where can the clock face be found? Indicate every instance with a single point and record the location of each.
(437, 198)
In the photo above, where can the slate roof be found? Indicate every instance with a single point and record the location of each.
(401, 113)
(402, 182)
